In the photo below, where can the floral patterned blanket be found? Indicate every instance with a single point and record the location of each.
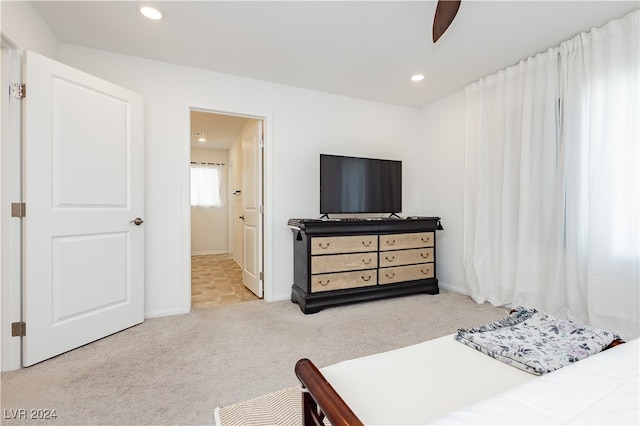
(536, 342)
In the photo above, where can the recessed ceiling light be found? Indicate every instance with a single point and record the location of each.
(417, 77)
(200, 136)
(151, 12)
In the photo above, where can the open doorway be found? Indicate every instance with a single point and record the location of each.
(226, 175)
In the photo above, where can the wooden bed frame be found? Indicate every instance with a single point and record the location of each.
(320, 400)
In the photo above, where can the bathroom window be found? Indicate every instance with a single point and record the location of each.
(206, 185)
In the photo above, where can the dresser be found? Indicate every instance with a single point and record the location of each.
(354, 260)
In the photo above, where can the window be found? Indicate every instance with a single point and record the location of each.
(206, 186)
(551, 201)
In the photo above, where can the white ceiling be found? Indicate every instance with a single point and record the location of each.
(219, 130)
(359, 49)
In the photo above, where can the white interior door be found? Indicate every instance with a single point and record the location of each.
(83, 173)
(252, 200)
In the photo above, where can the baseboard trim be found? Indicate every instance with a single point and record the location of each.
(456, 289)
(163, 313)
(204, 253)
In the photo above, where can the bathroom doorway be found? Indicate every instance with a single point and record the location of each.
(226, 253)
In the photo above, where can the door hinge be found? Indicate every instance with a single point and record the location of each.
(18, 209)
(18, 329)
(261, 276)
(18, 91)
(261, 143)
(261, 209)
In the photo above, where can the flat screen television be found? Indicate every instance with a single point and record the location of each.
(360, 185)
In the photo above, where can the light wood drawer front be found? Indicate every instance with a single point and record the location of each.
(351, 244)
(327, 282)
(343, 262)
(406, 257)
(405, 273)
(405, 241)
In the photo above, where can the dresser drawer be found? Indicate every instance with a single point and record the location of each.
(406, 257)
(344, 262)
(350, 244)
(405, 273)
(406, 241)
(327, 282)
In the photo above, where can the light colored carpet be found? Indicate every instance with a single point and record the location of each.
(176, 370)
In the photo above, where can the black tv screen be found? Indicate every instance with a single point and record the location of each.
(360, 185)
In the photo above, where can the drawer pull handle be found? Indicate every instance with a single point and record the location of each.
(367, 261)
(426, 240)
(424, 255)
(367, 244)
(366, 279)
(393, 274)
(324, 283)
(392, 242)
(325, 247)
(424, 272)
(390, 260)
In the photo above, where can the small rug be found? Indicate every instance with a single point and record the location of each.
(280, 408)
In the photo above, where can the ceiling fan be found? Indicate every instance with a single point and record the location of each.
(445, 12)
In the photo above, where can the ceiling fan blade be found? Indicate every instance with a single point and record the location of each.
(445, 12)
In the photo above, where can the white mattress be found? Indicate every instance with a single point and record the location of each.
(602, 389)
(417, 383)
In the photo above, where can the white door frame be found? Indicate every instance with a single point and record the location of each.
(11, 191)
(267, 228)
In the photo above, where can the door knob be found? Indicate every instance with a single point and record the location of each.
(137, 221)
(241, 217)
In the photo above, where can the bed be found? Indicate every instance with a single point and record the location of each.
(443, 381)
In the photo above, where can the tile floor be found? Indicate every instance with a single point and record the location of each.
(216, 279)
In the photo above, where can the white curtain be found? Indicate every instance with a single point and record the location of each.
(552, 217)
(207, 185)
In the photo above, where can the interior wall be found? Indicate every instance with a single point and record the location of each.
(25, 28)
(235, 201)
(236, 159)
(300, 124)
(442, 192)
(210, 225)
